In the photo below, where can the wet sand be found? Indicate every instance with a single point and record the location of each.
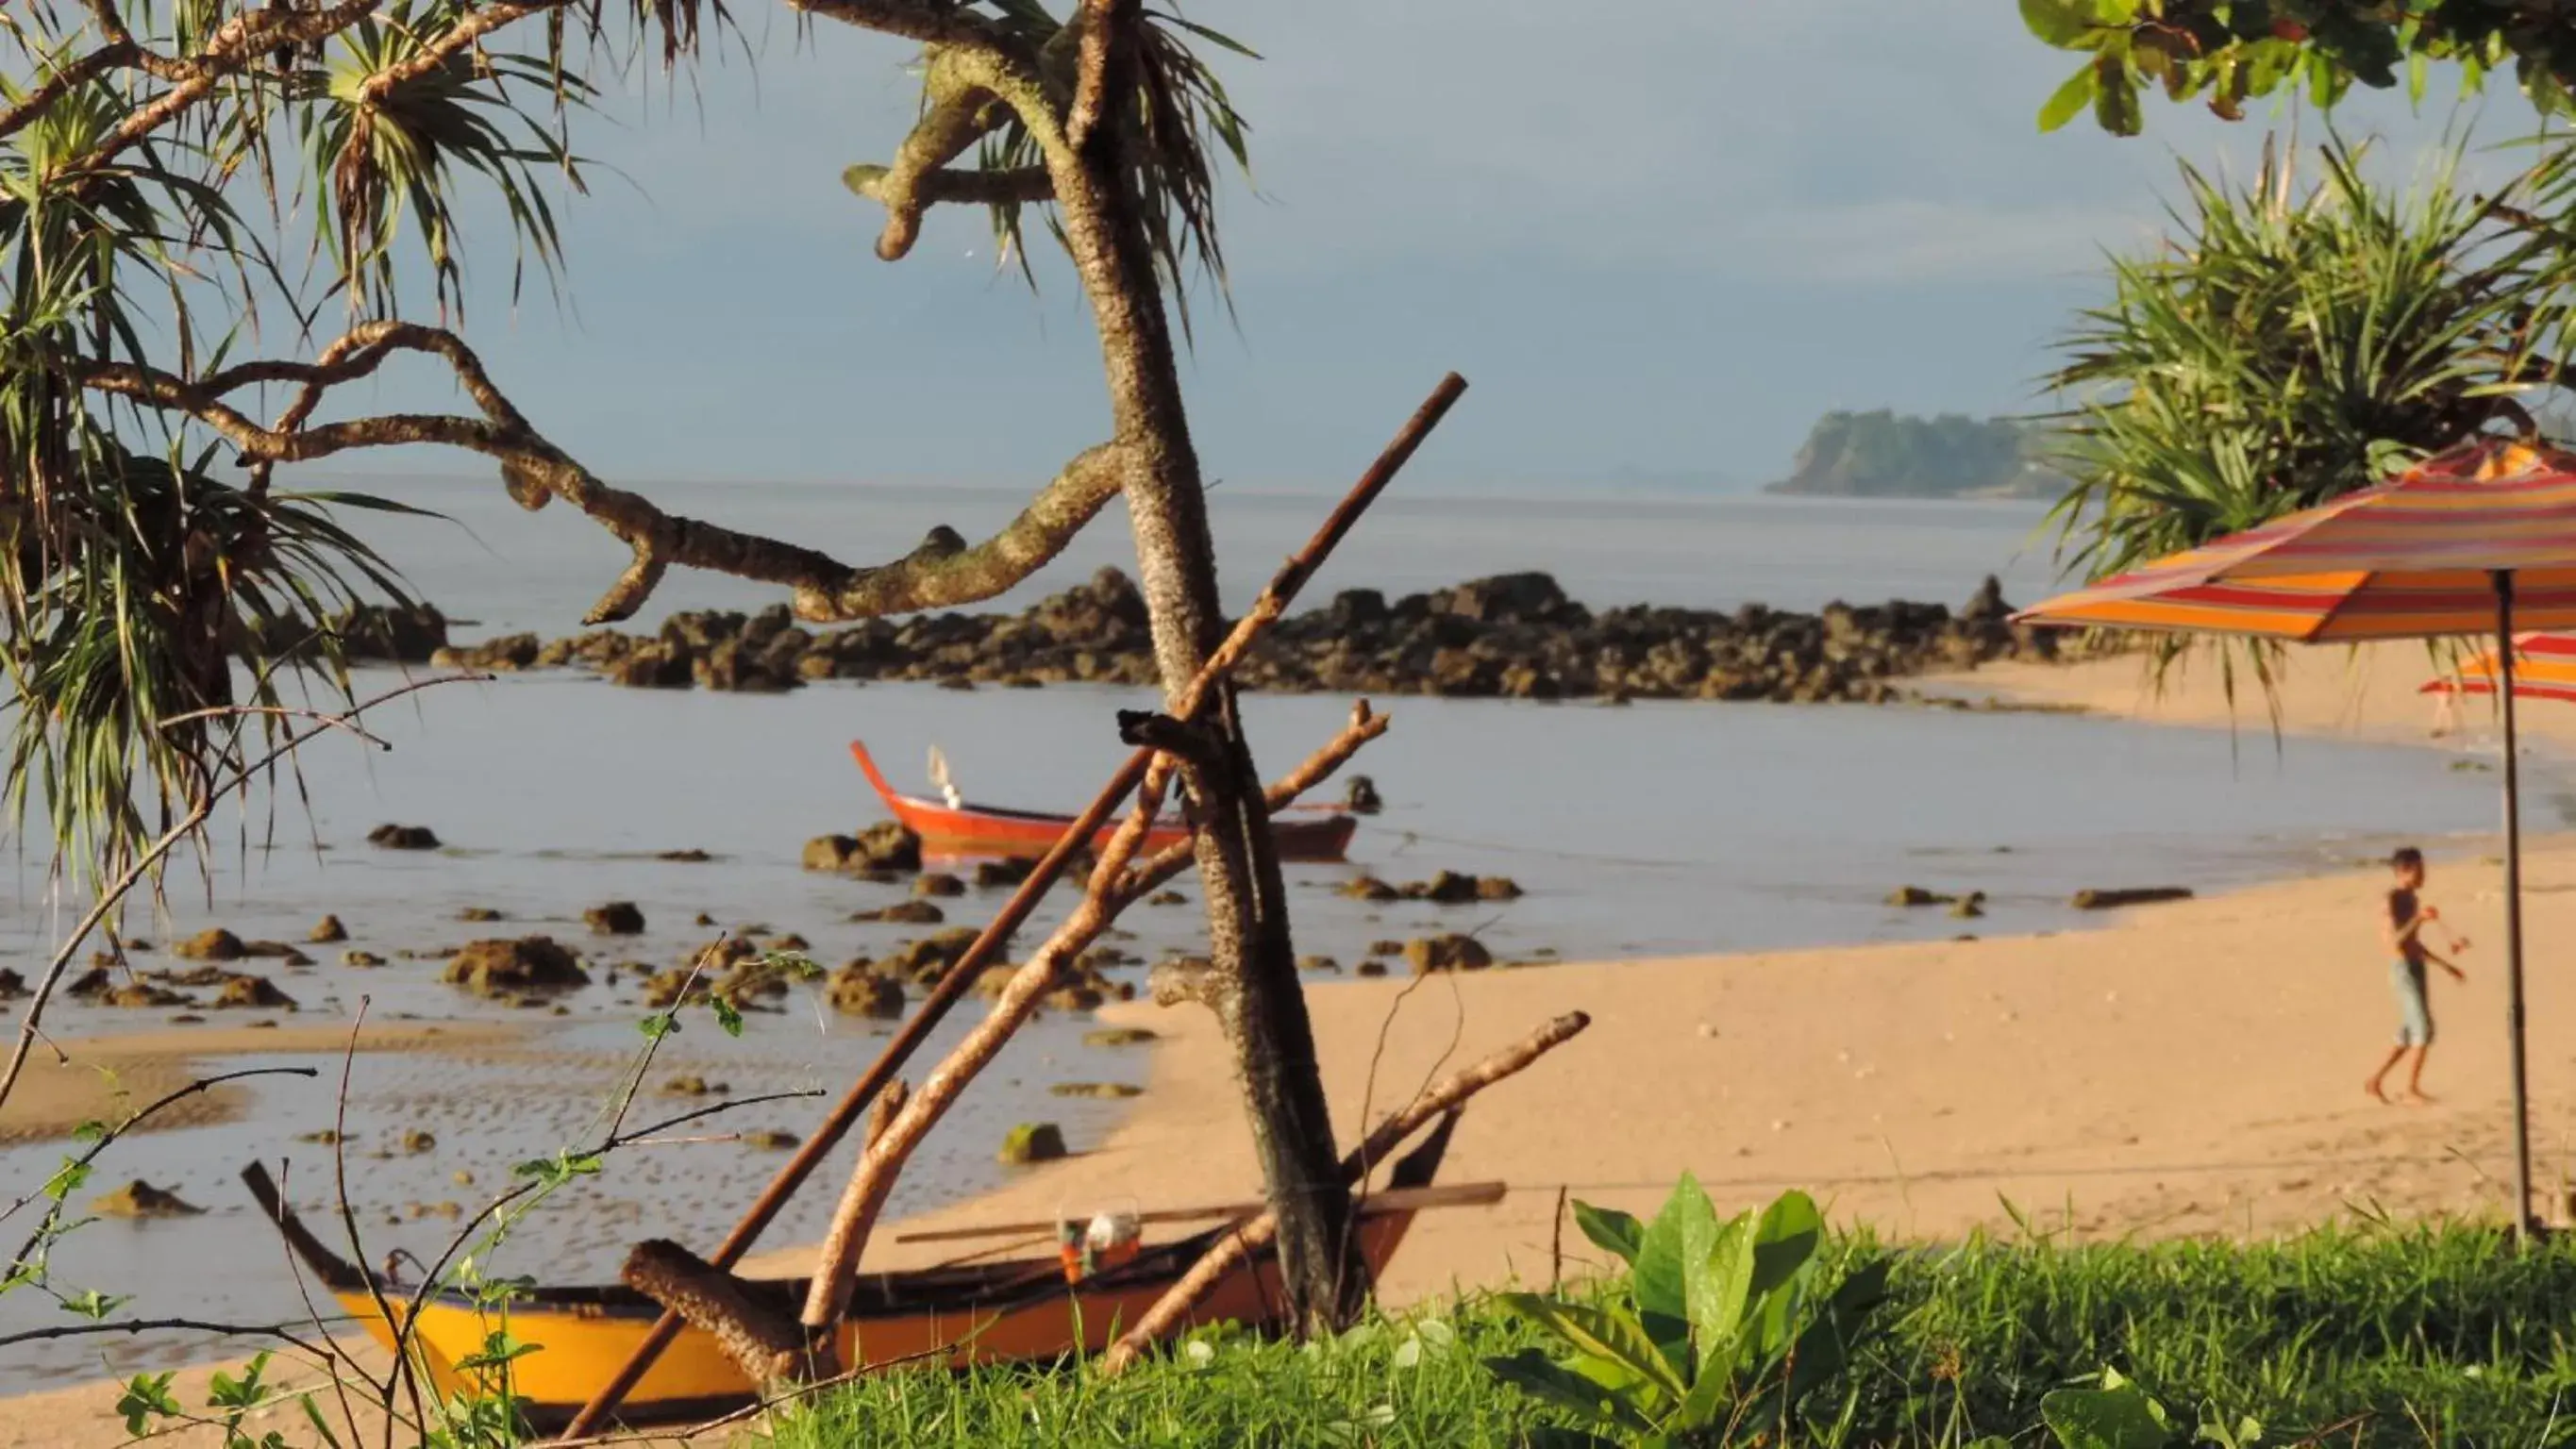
(83, 1079)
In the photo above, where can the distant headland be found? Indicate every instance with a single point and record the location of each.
(1885, 454)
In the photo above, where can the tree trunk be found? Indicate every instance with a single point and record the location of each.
(1258, 997)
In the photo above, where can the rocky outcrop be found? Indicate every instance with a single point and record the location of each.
(214, 945)
(403, 837)
(365, 634)
(884, 846)
(508, 968)
(616, 918)
(1513, 635)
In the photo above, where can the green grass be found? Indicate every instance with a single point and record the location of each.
(2348, 1337)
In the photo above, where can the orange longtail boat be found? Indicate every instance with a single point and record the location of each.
(1018, 1310)
(971, 830)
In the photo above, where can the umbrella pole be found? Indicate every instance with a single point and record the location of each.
(2513, 908)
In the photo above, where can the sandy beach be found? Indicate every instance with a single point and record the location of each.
(2187, 1069)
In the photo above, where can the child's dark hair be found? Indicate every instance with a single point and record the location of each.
(2406, 857)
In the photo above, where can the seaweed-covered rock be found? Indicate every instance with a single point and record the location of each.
(327, 932)
(1006, 872)
(361, 958)
(1426, 954)
(1031, 1142)
(616, 918)
(1119, 1036)
(1368, 888)
(938, 883)
(908, 913)
(858, 990)
(140, 1199)
(217, 944)
(504, 967)
(256, 991)
(403, 837)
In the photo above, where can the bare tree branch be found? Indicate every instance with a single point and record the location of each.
(943, 572)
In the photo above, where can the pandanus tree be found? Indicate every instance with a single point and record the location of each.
(186, 180)
(2311, 329)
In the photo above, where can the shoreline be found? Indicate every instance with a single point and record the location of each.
(2185, 1069)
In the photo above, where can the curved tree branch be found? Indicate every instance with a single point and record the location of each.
(1018, 185)
(943, 572)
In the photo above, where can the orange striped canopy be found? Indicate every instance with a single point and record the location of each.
(2544, 667)
(2412, 558)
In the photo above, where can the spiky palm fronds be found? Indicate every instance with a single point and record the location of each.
(134, 602)
(1180, 122)
(377, 151)
(2294, 343)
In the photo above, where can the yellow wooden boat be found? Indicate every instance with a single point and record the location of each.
(996, 1312)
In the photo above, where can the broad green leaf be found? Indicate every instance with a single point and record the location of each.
(2122, 1417)
(728, 1015)
(1719, 1283)
(2061, 23)
(1686, 1217)
(1790, 1233)
(2070, 100)
(1603, 1333)
(1610, 1230)
(2115, 98)
(1530, 1371)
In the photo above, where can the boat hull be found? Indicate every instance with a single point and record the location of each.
(977, 830)
(579, 1346)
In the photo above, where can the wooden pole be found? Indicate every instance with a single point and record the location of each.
(2513, 1010)
(950, 988)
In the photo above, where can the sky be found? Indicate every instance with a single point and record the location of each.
(1657, 244)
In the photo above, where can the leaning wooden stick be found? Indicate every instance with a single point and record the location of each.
(1196, 1284)
(950, 988)
(1112, 889)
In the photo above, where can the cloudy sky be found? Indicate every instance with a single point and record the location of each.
(1660, 243)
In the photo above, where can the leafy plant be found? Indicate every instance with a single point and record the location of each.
(1724, 1330)
(2120, 1415)
(2232, 51)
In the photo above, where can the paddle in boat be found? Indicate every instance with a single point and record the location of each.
(952, 827)
(1075, 1301)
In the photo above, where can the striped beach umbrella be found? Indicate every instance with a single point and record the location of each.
(2544, 667)
(2479, 540)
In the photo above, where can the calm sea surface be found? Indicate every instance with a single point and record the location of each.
(1650, 828)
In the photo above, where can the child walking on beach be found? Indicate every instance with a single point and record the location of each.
(2407, 918)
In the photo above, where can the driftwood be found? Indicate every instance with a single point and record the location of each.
(1175, 1305)
(768, 1344)
(1145, 769)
